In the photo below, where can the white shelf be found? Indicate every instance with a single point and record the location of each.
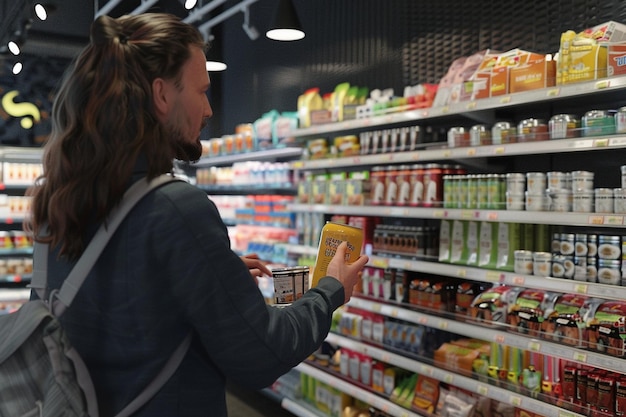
(527, 148)
(493, 335)
(503, 277)
(505, 216)
(508, 100)
(460, 381)
(265, 155)
(299, 409)
(356, 392)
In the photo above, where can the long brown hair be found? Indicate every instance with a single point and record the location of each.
(103, 119)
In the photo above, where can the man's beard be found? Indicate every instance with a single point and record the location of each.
(183, 149)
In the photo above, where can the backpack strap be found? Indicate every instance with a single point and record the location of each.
(159, 381)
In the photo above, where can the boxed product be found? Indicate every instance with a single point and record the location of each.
(357, 188)
(527, 313)
(616, 61)
(492, 305)
(538, 71)
(462, 86)
(584, 56)
(564, 321)
(606, 327)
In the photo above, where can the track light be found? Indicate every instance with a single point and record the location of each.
(190, 4)
(13, 47)
(17, 68)
(286, 25)
(251, 31)
(40, 11)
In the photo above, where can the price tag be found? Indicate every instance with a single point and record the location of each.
(581, 288)
(517, 280)
(619, 141)
(423, 320)
(499, 150)
(596, 220)
(553, 92)
(471, 105)
(461, 273)
(492, 216)
(505, 100)
(467, 215)
(425, 113)
(408, 265)
(482, 390)
(448, 378)
(393, 312)
(499, 339)
(516, 401)
(492, 276)
(580, 357)
(614, 220)
(603, 84)
(380, 263)
(297, 164)
(471, 152)
(376, 307)
(445, 109)
(443, 325)
(415, 156)
(447, 153)
(356, 160)
(439, 213)
(563, 413)
(600, 143)
(534, 346)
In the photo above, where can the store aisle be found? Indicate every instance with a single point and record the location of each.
(242, 402)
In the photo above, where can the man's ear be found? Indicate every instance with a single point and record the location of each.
(160, 96)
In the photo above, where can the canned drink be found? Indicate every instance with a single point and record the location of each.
(564, 126)
(290, 283)
(598, 122)
(503, 132)
(330, 238)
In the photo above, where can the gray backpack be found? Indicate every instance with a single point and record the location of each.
(40, 373)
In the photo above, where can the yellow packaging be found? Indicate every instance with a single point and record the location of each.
(332, 235)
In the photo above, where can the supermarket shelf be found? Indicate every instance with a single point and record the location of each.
(266, 155)
(249, 189)
(16, 252)
(493, 335)
(502, 277)
(356, 392)
(460, 381)
(527, 148)
(10, 294)
(505, 216)
(15, 278)
(21, 155)
(525, 98)
(301, 249)
(300, 409)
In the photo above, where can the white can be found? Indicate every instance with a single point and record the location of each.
(603, 200)
(515, 183)
(542, 264)
(523, 262)
(582, 201)
(536, 182)
(619, 200)
(582, 180)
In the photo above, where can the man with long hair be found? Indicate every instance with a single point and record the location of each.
(132, 102)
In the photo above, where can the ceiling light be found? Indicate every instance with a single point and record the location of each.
(13, 47)
(40, 11)
(190, 4)
(213, 66)
(17, 68)
(286, 25)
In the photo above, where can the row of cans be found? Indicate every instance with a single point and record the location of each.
(417, 185)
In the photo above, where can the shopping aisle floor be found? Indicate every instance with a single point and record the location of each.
(242, 402)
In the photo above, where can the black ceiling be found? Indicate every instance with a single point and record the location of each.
(67, 28)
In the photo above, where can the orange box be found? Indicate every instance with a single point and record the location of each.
(536, 73)
(616, 62)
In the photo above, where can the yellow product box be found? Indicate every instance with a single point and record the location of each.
(585, 62)
(538, 72)
(330, 400)
(336, 188)
(347, 145)
(317, 148)
(319, 189)
(357, 188)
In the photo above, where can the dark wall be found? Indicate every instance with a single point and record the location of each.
(373, 43)
(382, 44)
